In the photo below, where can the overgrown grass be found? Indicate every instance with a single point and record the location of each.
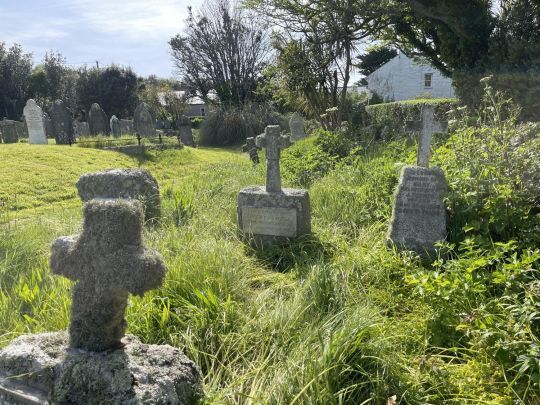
(329, 319)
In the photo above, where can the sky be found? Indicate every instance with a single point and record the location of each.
(128, 33)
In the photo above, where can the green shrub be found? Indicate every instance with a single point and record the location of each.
(196, 122)
(339, 144)
(304, 162)
(395, 115)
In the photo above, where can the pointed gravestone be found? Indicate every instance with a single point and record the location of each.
(62, 123)
(271, 215)
(95, 363)
(33, 115)
(296, 124)
(143, 121)
(186, 132)
(419, 218)
(251, 148)
(115, 127)
(98, 121)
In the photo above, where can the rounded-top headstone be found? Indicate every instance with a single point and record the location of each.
(296, 124)
(97, 120)
(62, 123)
(115, 127)
(143, 121)
(33, 116)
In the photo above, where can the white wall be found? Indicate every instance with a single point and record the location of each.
(402, 79)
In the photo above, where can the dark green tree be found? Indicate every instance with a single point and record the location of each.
(374, 58)
(15, 70)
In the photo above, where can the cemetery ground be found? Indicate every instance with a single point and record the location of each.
(336, 317)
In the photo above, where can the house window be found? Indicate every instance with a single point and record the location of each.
(202, 112)
(428, 78)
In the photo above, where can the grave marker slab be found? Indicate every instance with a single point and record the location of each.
(10, 134)
(81, 128)
(296, 124)
(419, 218)
(143, 121)
(62, 123)
(186, 132)
(126, 127)
(98, 121)
(271, 215)
(115, 127)
(33, 115)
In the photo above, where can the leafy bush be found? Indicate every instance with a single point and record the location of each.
(338, 144)
(230, 126)
(304, 162)
(196, 122)
(395, 115)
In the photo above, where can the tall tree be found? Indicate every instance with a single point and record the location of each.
(223, 49)
(15, 70)
(327, 33)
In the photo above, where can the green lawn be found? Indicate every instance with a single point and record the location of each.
(329, 319)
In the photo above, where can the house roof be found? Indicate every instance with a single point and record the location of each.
(181, 95)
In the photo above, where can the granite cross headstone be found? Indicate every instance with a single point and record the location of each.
(108, 261)
(62, 123)
(273, 142)
(251, 148)
(296, 124)
(426, 134)
(143, 121)
(97, 120)
(33, 115)
(115, 126)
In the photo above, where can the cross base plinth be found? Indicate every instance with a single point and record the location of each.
(41, 369)
(273, 218)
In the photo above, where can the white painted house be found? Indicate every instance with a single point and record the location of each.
(402, 78)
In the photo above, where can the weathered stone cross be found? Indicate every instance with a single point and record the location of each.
(251, 148)
(273, 141)
(108, 261)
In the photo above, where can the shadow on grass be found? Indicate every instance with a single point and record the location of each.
(301, 253)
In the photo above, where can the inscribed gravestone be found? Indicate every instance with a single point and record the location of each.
(419, 217)
(126, 127)
(81, 128)
(186, 132)
(62, 123)
(271, 215)
(115, 127)
(143, 121)
(33, 115)
(296, 123)
(9, 131)
(97, 120)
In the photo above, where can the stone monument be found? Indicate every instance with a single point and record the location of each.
(126, 127)
(115, 127)
(95, 363)
(62, 123)
(143, 121)
(419, 218)
(9, 131)
(251, 148)
(123, 183)
(271, 215)
(296, 123)
(186, 132)
(98, 121)
(81, 128)
(33, 115)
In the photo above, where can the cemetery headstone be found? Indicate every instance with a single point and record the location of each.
(62, 123)
(22, 132)
(296, 123)
(97, 120)
(126, 127)
(143, 121)
(115, 127)
(271, 215)
(33, 115)
(186, 132)
(47, 124)
(96, 363)
(81, 128)
(251, 148)
(123, 183)
(419, 218)
(9, 131)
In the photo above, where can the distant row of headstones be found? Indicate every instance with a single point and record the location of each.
(59, 123)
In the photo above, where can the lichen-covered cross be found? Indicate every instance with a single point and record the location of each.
(108, 261)
(273, 142)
